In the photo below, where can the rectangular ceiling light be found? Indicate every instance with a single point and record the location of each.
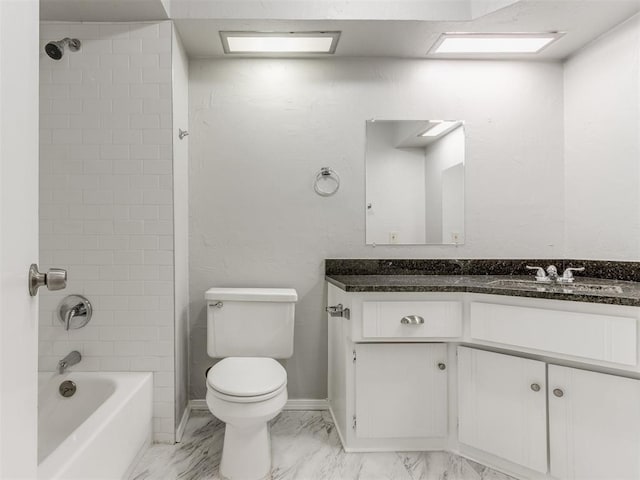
(279, 42)
(493, 42)
(437, 127)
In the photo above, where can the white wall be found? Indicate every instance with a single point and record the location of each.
(106, 205)
(395, 187)
(440, 156)
(180, 69)
(262, 128)
(602, 147)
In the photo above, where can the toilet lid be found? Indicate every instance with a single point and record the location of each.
(246, 376)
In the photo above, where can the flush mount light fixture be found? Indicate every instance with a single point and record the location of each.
(451, 43)
(438, 127)
(279, 42)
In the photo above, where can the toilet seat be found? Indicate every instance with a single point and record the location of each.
(246, 379)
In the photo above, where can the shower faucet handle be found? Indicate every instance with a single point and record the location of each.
(54, 279)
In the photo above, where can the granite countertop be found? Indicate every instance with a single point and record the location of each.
(613, 292)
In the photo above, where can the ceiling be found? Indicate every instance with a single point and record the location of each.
(381, 28)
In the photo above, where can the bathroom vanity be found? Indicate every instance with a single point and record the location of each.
(539, 382)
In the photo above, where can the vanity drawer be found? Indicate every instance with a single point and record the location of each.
(384, 319)
(600, 337)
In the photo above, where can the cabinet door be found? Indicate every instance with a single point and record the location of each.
(502, 406)
(401, 390)
(594, 425)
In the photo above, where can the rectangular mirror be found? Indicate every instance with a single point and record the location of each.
(415, 182)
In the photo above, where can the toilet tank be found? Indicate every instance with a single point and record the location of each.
(250, 322)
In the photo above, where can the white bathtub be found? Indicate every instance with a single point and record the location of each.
(97, 432)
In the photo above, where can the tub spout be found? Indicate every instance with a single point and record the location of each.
(71, 359)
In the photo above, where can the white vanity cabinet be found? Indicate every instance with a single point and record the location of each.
(594, 425)
(541, 389)
(502, 406)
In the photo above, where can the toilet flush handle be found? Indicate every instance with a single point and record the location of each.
(217, 304)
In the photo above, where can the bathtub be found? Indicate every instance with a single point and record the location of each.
(97, 432)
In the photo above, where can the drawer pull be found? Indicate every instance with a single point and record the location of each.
(412, 320)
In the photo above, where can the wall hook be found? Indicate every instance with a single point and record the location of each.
(182, 133)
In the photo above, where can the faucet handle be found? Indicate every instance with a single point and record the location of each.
(541, 276)
(567, 276)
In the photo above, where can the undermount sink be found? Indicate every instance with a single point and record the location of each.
(565, 287)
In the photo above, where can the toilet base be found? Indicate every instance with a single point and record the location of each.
(246, 453)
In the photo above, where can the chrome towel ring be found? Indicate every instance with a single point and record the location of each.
(324, 176)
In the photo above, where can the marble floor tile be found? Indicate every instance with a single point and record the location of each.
(305, 447)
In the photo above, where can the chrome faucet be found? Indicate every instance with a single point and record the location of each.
(79, 310)
(71, 359)
(551, 275)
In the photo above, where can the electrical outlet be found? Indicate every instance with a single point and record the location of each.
(394, 237)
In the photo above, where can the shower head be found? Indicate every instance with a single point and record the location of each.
(56, 49)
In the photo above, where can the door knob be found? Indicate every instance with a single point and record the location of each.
(54, 279)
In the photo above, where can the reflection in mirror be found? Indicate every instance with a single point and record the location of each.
(415, 182)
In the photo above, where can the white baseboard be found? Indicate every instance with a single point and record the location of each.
(292, 404)
(183, 423)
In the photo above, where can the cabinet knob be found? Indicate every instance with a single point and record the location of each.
(535, 387)
(558, 392)
(442, 366)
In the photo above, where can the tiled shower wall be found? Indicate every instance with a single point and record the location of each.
(106, 206)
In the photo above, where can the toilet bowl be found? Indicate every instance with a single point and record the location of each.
(245, 393)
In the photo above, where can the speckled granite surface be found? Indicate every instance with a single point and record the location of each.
(499, 277)
(627, 271)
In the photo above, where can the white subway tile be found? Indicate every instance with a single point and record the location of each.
(129, 197)
(145, 60)
(144, 212)
(83, 211)
(127, 136)
(144, 242)
(127, 105)
(67, 136)
(165, 90)
(160, 227)
(145, 121)
(84, 120)
(83, 272)
(127, 75)
(128, 349)
(146, 182)
(158, 288)
(68, 227)
(112, 302)
(115, 364)
(113, 333)
(165, 242)
(156, 75)
(129, 257)
(51, 91)
(57, 121)
(154, 45)
(97, 197)
(109, 62)
(163, 379)
(101, 227)
(97, 257)
(96, 46)
(146, 90)
(91, 105)
(144, 272)
(128, 46)
(156, 105)
(83, 62)
(66, 77)
(157, 197)
(158, 257)
(163, 394)
(97, 349)
(128, 288)
(158, 136)
(88, 182)
(145, 152)
(114, 182)
(166, 272)
(143, 303)
(66, 105)
(114, 212)
(114, 151)
(98, 287)
(97, 76)
(84, 91)
(97, 136)
(84, 152)
(113, 242)
(149, 334)
(128, 167)
(110, 91)
(114, 120)
(157, 167)
(95, 167)
(114, 272)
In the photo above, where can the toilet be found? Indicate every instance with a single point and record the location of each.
(248, 328)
